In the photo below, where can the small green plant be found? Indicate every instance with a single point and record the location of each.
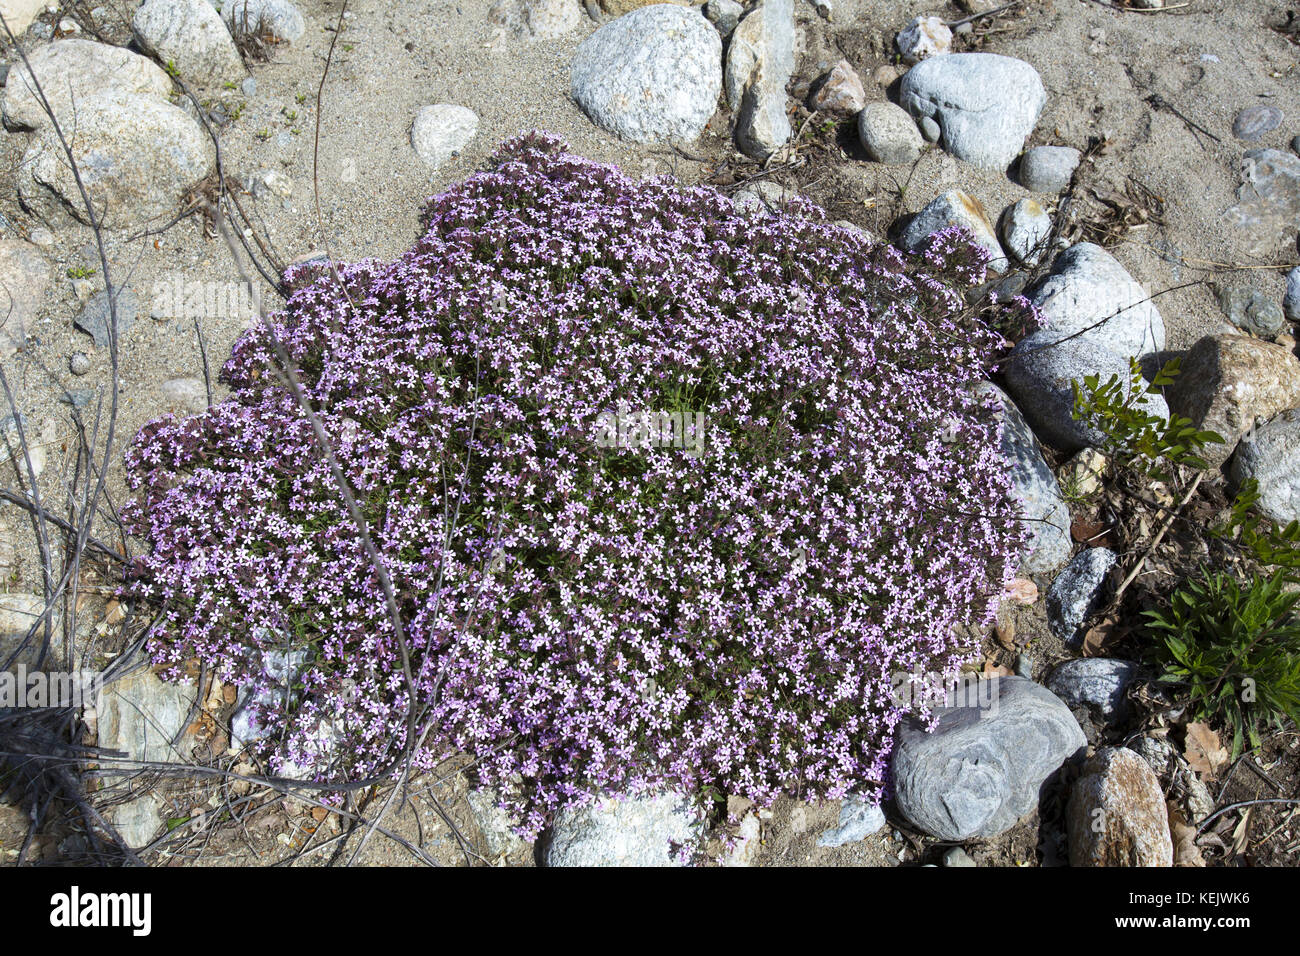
(1134, 436)
(80, 272)
(170, 68)
(228, 85)
(1237, 649)
(289, 114)
(1263, 540)
(301, 98)
(264, 134)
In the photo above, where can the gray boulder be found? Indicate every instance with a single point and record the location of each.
(979, 771)
(645, 830)
(1271, 455)
(138, 156)
(651, 75)
(1047, 516)
(267, 18)
(1077, 590)
(1095, 317)
(190, 35)
(1267, 212)
(985, 104)
(70, 70)
(760, 61)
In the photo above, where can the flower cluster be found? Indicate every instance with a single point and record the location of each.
(580, 616)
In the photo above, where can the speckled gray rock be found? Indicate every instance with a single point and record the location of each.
(1291, 300)
(70, 70)
(1048, 169)
(985, 104)
(189, 34)
(19, 14)
(1271, 455)
(628, 831)
(1095, 318)
(980, 770)
(889, 134)
(1098, 683)
(536, 19)
(1025, 228)
(859, 818)
(24, 277)
(651, 75)
(1251, 310)
(138, 156)
(494, 824)
(278, 18)
(94, 318)
(1047, 516)
(955, 208)
(1077, 590)
(1117, 815)
(724, 15)
(1267, 212)
(760, 61)
(929, 128)
(439, 132)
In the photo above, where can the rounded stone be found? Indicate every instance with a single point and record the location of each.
(652, 75)
(441, 131)
(888, 134)
(1254, 121)
(1048, 169)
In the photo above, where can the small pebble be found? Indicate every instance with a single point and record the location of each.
(929, 128)
(79, 363)
(40, 236)
(1254, 121)
(958, 857)
(248, 87)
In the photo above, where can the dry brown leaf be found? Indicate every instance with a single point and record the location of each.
(1186, 852)
(1104, 635)
(1241, 835)
(1203, 751)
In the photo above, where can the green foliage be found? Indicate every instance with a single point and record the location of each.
(1134, 437)
(1237, 649)
(1263, 540)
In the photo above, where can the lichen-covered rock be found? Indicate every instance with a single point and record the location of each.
(1229, 382)
(859, 818)
(981, 770)
(661, 829)
(1117, 814)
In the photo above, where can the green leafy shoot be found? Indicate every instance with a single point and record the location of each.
(1237, 650)
(1134, 436)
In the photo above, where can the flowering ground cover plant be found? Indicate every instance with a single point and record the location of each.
(587, 615)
